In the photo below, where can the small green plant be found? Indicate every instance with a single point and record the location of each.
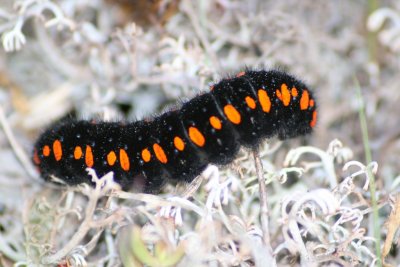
(135, 252)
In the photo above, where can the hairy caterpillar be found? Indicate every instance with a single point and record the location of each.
(179, 144)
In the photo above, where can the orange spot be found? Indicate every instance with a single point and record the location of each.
(232, 114)
(57, 150)
(89, 157)
(36, 158)
(211, 87)
(215, 123)
(179, 144)
(250, 102)
(146, 155)
(294, 92)
(279, 95)
(285, 95)
(111, 158)
(304, 100)
(311, 103)
(196, 136)
(124, 160)
(264, 100)
(46, 151)
(160, 154)
(314, 119)
(240, 74)
(77, 152)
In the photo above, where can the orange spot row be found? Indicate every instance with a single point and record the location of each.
(285, 96)
(111, 156)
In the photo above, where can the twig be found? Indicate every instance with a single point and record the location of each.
(78, 236)
(157, 201)
(263, 206)
(81, 232)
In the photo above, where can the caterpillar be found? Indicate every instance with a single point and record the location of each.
(242, 110)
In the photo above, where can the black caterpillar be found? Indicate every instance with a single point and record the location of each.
(178, 145)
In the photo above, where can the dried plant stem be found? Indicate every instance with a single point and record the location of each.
(81, 232)
(372, 188)
(192, 187)
(263, 205)
(19, 152)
